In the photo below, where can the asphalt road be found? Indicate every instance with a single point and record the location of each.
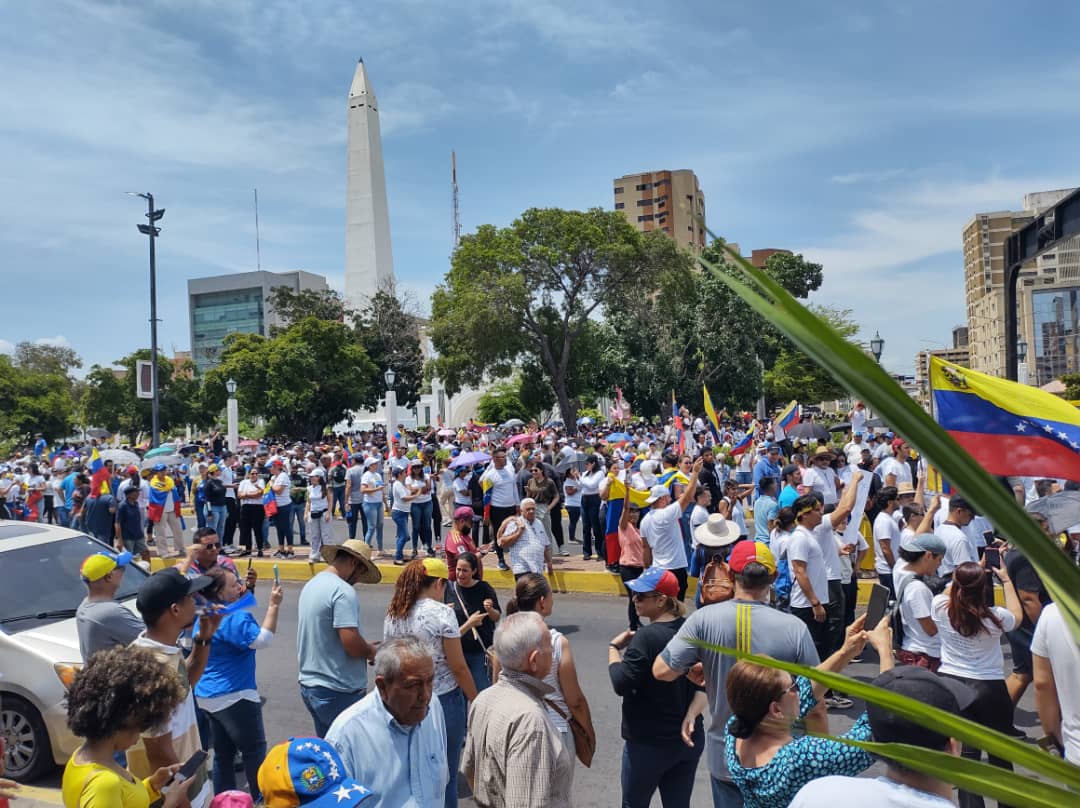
(589, 621)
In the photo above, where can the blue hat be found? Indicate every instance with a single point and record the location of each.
(159, 467)
(655, 579)
(860, 432)
(308, 772)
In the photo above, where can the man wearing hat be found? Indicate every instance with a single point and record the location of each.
(958, 547)
(166, 601)
(102, 622)
(331, 652)
(853, 448)
(767, 466)
(309, 773)
(920, 555)
(900, 785)
(821, 477)
(745, 622)
(661, 529)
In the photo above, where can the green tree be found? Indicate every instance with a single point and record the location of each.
(391, 337)
(33, 401)
(1072, 386)
(292, 306)
(501, 403)
(104, 401)
(303, 379)
(528, 292)
(55, 359)
(794, 375)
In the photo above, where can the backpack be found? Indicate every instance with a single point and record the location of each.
(716, 584)
(338, 474)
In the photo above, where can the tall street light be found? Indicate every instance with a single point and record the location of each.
(152, 231)
(877, 345)
(232, 417)
(1021, 360)
(391, 408)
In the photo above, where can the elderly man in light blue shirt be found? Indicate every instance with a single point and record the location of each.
(394, 739)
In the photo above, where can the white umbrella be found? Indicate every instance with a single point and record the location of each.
(166, 460)
(121, 457)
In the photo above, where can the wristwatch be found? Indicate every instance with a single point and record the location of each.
(200, 642)
(815, 605)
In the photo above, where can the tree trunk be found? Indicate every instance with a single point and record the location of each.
(567, 408)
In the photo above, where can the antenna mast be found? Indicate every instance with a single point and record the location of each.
(457, 210)
(258, 256)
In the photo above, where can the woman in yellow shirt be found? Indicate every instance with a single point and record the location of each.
(115, 698)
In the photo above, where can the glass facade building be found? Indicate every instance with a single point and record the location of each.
(215, 315)
(1056, 320)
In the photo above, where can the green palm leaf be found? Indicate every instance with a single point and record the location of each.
(865, 377)
(953, 726)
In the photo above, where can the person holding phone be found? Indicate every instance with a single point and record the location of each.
(117, 696)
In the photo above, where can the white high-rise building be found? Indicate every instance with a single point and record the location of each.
(369, 261)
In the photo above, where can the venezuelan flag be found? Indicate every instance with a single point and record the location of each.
(486, 486)
(710, 412)
(676, 420)
(742, 444)
(789, 417)
(616, 495)
(96, 463)
(1009, 428)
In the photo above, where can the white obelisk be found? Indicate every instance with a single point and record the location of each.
(369, 262)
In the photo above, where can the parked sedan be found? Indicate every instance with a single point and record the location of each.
(40, 589)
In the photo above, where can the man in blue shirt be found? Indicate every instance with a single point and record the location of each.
(67, 486)
(792, 477)
(768, 466)
(394, 739)
(765, 510)
(129, 529)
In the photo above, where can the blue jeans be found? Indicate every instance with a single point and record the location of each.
(200, 514)
(352, 516)
(298, 516)
(338, 502)
(455, 714)
(668, 768)
(63, 516)
(374, 513)
(325, 705)
(218, 515)
(725, 794)
(401, 521)
(238, 728)
(421, 524)
(477, 662)
(283, 523)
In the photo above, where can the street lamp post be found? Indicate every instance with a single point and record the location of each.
(391, 408)
(232, 416)
(152, 231)
(1021, 360)
(877, 345)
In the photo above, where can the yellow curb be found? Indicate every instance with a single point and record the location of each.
(577, 581)
(52, 796)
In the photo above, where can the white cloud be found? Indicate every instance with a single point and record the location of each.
(59, 341)
(856, 177)
(6, 347)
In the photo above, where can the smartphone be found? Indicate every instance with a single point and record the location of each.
(191, 765)
(277, 576)
(249, 564)
(875, 609)
(988, 536)
(992, 556)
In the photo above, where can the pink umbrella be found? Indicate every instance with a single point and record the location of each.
(516, 439)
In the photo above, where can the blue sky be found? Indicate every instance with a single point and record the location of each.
(862, 138)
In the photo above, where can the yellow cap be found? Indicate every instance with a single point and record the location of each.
(435, 568)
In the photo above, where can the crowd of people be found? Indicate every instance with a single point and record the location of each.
(777, 532)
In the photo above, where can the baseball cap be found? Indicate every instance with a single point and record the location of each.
(772, 447)
(657, 492)
(925, 687)
(790, 468)
(435, 568)
(309, 772)
(166, 587)
(922, 543)
(464, 512)
(277, 462)
(97, 566)
(656, 579)
(371, 461)
(214, 467)
(746, 552)
(159, 467)
(131, 470)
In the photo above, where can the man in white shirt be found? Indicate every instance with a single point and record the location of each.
(527, 541)
(853, 448)
(504, 497)
(232, 507)
(820, 476)
(886, 536)
(661, 533)
(809, 573)
(958, 548)
(900, 786)
(1056, 663)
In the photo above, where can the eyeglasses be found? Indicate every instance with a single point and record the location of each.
(792, 688)
(645, 595)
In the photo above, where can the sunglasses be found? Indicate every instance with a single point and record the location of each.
(215, 546)
(645, 595)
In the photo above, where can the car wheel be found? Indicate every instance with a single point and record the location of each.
(27, 752)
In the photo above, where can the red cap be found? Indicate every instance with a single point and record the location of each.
(131, 470)
(897, 443)
(746, 552)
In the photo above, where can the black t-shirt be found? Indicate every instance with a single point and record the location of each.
(1024, 577)
(652, 710)
(214, 491)
(473, 597)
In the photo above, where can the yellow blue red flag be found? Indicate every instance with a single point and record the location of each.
(1009, 428)
(710, 411)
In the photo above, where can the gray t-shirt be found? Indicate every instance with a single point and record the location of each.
(771, 632)
(103, 624)
(355, 476)
(326, 604)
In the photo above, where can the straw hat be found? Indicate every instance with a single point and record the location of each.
(717, 531)
(360, 550)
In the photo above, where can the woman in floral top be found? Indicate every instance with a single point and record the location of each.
(417, 608)
(766, 762)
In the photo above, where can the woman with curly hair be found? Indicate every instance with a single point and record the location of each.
(417, 609)
(970, 633)
(115, 698)
(227, 691)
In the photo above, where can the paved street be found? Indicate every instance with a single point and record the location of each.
(589, 621)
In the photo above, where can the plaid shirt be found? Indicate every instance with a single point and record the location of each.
(533, 770)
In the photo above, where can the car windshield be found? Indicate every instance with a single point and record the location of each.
(43, 579)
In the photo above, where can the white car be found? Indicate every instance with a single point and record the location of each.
(40, 589)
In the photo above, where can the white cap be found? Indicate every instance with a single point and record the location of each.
(656, 493)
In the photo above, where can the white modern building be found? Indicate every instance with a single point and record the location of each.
(369, 260)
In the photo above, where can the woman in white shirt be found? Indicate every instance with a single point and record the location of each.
(572, 499)
(317, 514)
(970, 633)
(419, 484)
(920, 556)
(402, 498)
(591, 529)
